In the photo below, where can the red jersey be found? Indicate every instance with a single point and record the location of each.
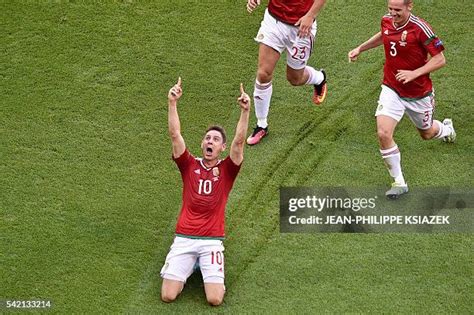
(205, 193)
(289, 11)
(407, 48)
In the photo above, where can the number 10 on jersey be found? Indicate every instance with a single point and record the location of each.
(205, 186)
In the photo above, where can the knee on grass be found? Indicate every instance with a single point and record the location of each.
(168, 297)
(215, 299)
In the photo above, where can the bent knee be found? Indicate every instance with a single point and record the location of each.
(264, 76)
(384, 135)
(168, 297)
(215, 300)
(426, 136)
(294, 80)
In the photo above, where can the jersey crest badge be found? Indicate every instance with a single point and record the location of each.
(403, 39)
(215, 171)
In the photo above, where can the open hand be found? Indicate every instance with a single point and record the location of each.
(305, 24)
(405, 76)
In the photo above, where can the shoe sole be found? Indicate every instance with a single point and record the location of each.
(257, 141)
(319, 99)
(396, 196)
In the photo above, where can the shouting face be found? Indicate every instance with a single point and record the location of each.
(212, 145)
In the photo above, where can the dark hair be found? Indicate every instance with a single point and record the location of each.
(218, 129)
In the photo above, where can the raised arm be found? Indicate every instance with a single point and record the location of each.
(372, 42)
(237, 146)
(306, 22)
(174, 126)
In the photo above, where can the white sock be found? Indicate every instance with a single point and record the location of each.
(262, 95)
(443, 130)
(392, 159)
(314, 76)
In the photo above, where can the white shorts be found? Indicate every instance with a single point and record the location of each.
(420, 111)
(281, 36)
(184, 253)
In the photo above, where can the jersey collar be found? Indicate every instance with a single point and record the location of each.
(207, 168)
(400, 27)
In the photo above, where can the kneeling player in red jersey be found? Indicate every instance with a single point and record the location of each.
(207, 182)
(406, 87)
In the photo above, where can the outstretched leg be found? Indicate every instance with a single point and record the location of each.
(267, 60)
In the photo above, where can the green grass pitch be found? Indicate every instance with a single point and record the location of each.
(89, 195)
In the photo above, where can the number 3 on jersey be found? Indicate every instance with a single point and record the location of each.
(205, 186)
(393, 49)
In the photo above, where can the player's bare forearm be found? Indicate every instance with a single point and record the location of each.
(174, 125)
(435, 63)
(316, 8)
(305, 23)
(372, 42)
(174, 129)
(237, 146)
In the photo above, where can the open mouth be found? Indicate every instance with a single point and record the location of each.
(209, 150)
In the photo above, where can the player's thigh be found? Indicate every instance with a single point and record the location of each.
(385, 128)
(211, 262)
(270, 34)
(179, 263)
(390, 105)
(299, 49)
(267, 60)
(421, 112)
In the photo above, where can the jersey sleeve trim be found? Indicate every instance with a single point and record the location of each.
(429, 40)
(423, 26)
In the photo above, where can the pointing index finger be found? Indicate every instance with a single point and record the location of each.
(179, 82)
(242, 88)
